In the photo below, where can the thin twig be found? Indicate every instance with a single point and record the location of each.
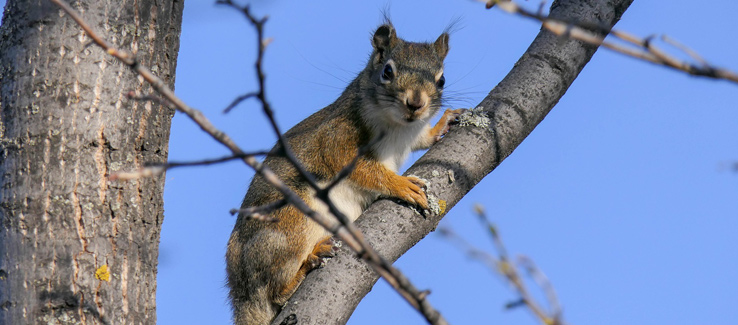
(473, 252)
(695, 56)
(141, 173)
(205, 162)
(155, 169)
(152, 98)
(544, 283)
(509, 270)
(238, 100)
(260, 212)
(595, 34)
(260, 94)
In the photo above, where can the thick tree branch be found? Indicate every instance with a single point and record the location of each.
(515, 107)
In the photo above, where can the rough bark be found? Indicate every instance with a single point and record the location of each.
(65, 126)
(515, 107)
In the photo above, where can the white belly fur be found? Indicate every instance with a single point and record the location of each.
(393, 149)
(348, 198)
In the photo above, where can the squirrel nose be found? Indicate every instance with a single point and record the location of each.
(414, 104)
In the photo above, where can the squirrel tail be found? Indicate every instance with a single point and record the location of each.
(257, 309)
(253, 276)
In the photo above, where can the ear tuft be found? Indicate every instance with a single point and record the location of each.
(441, 45)
(384, 38)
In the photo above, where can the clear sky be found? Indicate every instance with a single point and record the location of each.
(622, 195)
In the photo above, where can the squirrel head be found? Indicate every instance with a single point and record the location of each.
(406, 77)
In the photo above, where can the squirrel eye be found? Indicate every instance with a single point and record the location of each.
(388, 74)
(441, 81)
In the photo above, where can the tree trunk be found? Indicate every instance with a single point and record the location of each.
(74, 246)
(515, 107)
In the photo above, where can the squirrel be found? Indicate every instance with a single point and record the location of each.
(396, 95)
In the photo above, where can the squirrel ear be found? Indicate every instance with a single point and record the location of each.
(384, 38)
(441, 45)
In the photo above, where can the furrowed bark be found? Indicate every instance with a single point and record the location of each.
(74, 246)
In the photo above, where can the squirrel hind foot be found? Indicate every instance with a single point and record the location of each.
(325, 250)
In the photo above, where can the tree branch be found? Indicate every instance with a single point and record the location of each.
(536, 83)
(641, 48)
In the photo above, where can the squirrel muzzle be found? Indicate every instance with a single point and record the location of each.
(417, 102)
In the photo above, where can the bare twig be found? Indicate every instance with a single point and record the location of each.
(260, 212)
(473, 252)
(695, 56)
(153, 98)
(509, 270)
(155, 169)
(258, 24)
(542, 280)
(344, 229)
(205, 162)
(238, 100)
(141, 173)
(642, 48)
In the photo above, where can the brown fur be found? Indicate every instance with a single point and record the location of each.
(267, 261)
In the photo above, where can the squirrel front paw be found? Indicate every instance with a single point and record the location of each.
(449, 117)
(411, 191)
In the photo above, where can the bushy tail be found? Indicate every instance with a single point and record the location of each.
(256, 309)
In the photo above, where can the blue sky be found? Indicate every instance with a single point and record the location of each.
(621, 195)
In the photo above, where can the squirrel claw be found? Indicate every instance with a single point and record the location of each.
(326, 248)
(417, 182)
(322, 252)
(417, 193)
(450, 117)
